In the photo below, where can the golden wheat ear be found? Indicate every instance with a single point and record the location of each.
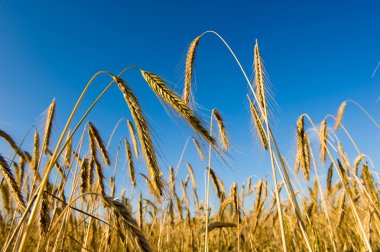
(99, 142)
(303, 148)
(259, 78)
(48, 127)
(174, 101)
(7, 174)
(222, 128)
(134, 139)
(131, 167)
(128, 222)
(323, 140)
(340, 115)
(258, 125)
(199, 149)
(12, 144)
(190, 57)
(143, 133)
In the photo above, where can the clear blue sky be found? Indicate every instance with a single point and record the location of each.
(317, 54)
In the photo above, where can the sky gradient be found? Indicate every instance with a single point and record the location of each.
(316, 54)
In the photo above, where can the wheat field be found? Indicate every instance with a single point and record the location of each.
(57, 196)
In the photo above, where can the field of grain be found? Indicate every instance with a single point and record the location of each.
(57, 197)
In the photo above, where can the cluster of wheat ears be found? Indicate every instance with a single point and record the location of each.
(74, 207)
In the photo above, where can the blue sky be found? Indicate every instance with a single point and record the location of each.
(316, 53)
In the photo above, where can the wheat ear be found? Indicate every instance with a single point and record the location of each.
(12, 143)
(259, 77)
(303, 148)
(222, 128)
(323, 140)
(258, 124)
(99, 143)
(131, 167)
(11, 181)
(190, 57)
(143, 132)
(48, 127)
(129, 223)
(340, 115)
(160, 88)
(133, 136)
(199, 149)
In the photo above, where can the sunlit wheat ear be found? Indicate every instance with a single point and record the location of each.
(329, 177)
(259, 77)
(303, 148)
(128, 222)
(190, 57)
(199, 149)
(96, 136)
(36, 152)
(192, 176)
(215, 182)
(100, 175)
(12, 184)
(133, 137)
(84, 170)
(235, 195)
(131, 167)
(323, 140)
(171, 211)
(90, 174)
(218, 225)
(258, 125)
(222, 128)
(172, 178)
(340, 115)
(68, 150)
(357, 161)
(249, 182)
(5, 196)
(259, 186)
(19, 169)
(369, 181)
(44, 220)
(174, 101)
(141, 216)
(12, 143)
(48, 126)
(342, 209)
(143, 132)
(112, 187)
